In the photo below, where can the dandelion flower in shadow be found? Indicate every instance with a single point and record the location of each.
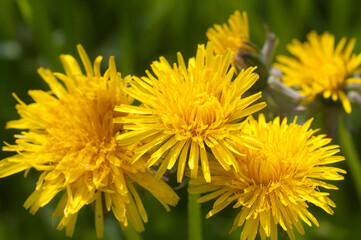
(275, 184)
(70, 137)
(320, 68)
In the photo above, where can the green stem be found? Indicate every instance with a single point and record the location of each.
(351, 154)
(194, 218)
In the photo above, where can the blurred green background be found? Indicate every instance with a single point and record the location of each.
(34, 32)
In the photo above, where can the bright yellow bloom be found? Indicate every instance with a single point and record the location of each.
(318, 68)
(234, 36)
(276, 183)
(71, 139)
(189, 109)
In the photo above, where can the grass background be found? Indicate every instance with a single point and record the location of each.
(34, 32)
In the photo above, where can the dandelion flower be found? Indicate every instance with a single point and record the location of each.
(71, 139)
(235, 35)
(188, 110)
(318, 68)
(275, 184)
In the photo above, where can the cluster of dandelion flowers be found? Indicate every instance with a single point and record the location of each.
(234, 36)
(71, 139)
(320, 68)
(188, 110)
(276, 183)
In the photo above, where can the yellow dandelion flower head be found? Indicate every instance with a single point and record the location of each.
(235, 35)
(276, 183)
(320, 68)
(71, 139)
(187, 109)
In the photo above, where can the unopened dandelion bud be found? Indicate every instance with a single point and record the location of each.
(355, 97)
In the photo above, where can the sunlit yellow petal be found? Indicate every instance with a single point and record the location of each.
(99, 221)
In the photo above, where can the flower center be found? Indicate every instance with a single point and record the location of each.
(274, 164)
(83, 134)
(205, 110)
(331, 73)
(206, 113)
(195, 117)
